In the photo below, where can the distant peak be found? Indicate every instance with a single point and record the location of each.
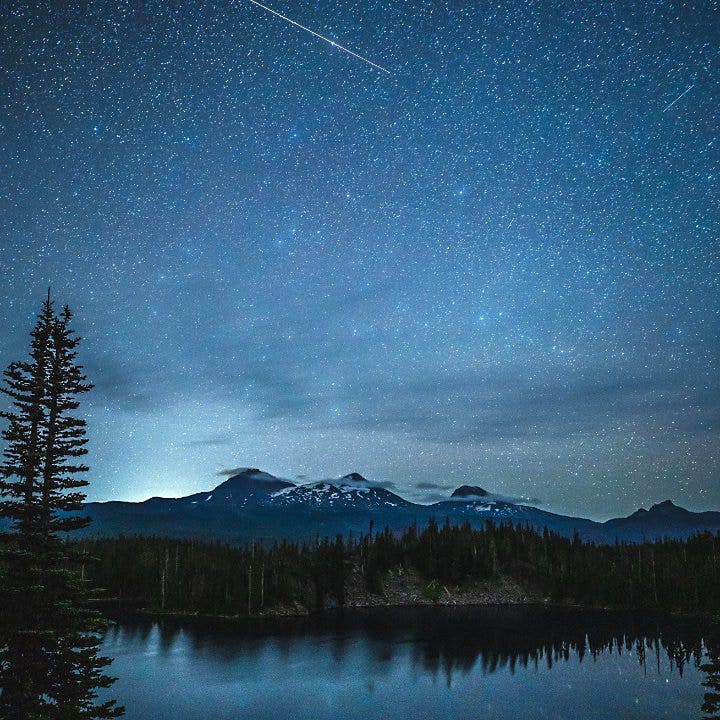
(664, 505)
(658, 508)
(252, 474)
(469, 491)
(244, 478)
(241, 471)
(354, 477)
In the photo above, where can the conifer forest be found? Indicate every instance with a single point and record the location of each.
(198, 577)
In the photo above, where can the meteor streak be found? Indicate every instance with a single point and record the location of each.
(681, 95)
(322, 37)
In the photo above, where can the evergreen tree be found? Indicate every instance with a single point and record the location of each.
(49, 663)
(711, 668)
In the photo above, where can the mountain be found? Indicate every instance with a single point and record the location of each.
(469, 491)
(477, 512)
(349, 493)
(664, 519)
(250, 487)
(255, 506)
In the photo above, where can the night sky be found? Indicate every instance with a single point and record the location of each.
(497, 264)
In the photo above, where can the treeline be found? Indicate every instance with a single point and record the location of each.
(192, 576)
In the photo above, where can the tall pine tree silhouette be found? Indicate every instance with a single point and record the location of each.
(49, 663)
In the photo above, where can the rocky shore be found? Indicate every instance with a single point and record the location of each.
(401, 587)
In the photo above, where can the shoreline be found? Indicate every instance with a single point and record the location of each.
(402, 588)
(158, 615)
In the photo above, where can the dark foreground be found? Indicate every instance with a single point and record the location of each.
(454, 662)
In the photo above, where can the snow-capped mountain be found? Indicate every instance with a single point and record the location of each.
(254, 505)
(350, 492)
(247, 488)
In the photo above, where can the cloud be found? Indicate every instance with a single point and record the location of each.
(517, 500)
(213, 441)
(364, 483)
(493, 497)
(434, 497)
(255, 474)
(132, 385)
(230, 472)
(466, 498)
(475, 406)
(387, 484)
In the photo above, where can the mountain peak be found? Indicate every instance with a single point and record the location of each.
(354, 477)
(469, 491)
(246, 471)
(251, 504)
(246, 478)
(664, 506)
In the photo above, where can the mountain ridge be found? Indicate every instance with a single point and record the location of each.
(253, 505)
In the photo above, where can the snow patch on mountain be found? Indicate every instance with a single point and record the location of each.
(473, 494)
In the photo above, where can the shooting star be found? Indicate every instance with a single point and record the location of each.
(681, 95)
(322, 37)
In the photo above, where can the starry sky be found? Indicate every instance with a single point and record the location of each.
(497, 263)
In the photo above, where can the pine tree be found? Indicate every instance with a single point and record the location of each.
(49, 663)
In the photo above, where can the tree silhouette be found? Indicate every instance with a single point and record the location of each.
(711, 667)
(49, 663)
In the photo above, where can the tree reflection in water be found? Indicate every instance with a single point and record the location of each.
(711, 668)
(451, 642)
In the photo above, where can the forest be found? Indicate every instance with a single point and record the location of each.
(185, 576)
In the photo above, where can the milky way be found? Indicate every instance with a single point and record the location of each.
(498, 265)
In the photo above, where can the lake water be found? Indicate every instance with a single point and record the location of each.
(448, 663)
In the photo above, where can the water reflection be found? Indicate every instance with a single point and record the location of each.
(353, 662)
(711, 668)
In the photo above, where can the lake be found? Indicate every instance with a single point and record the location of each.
(449, 663)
